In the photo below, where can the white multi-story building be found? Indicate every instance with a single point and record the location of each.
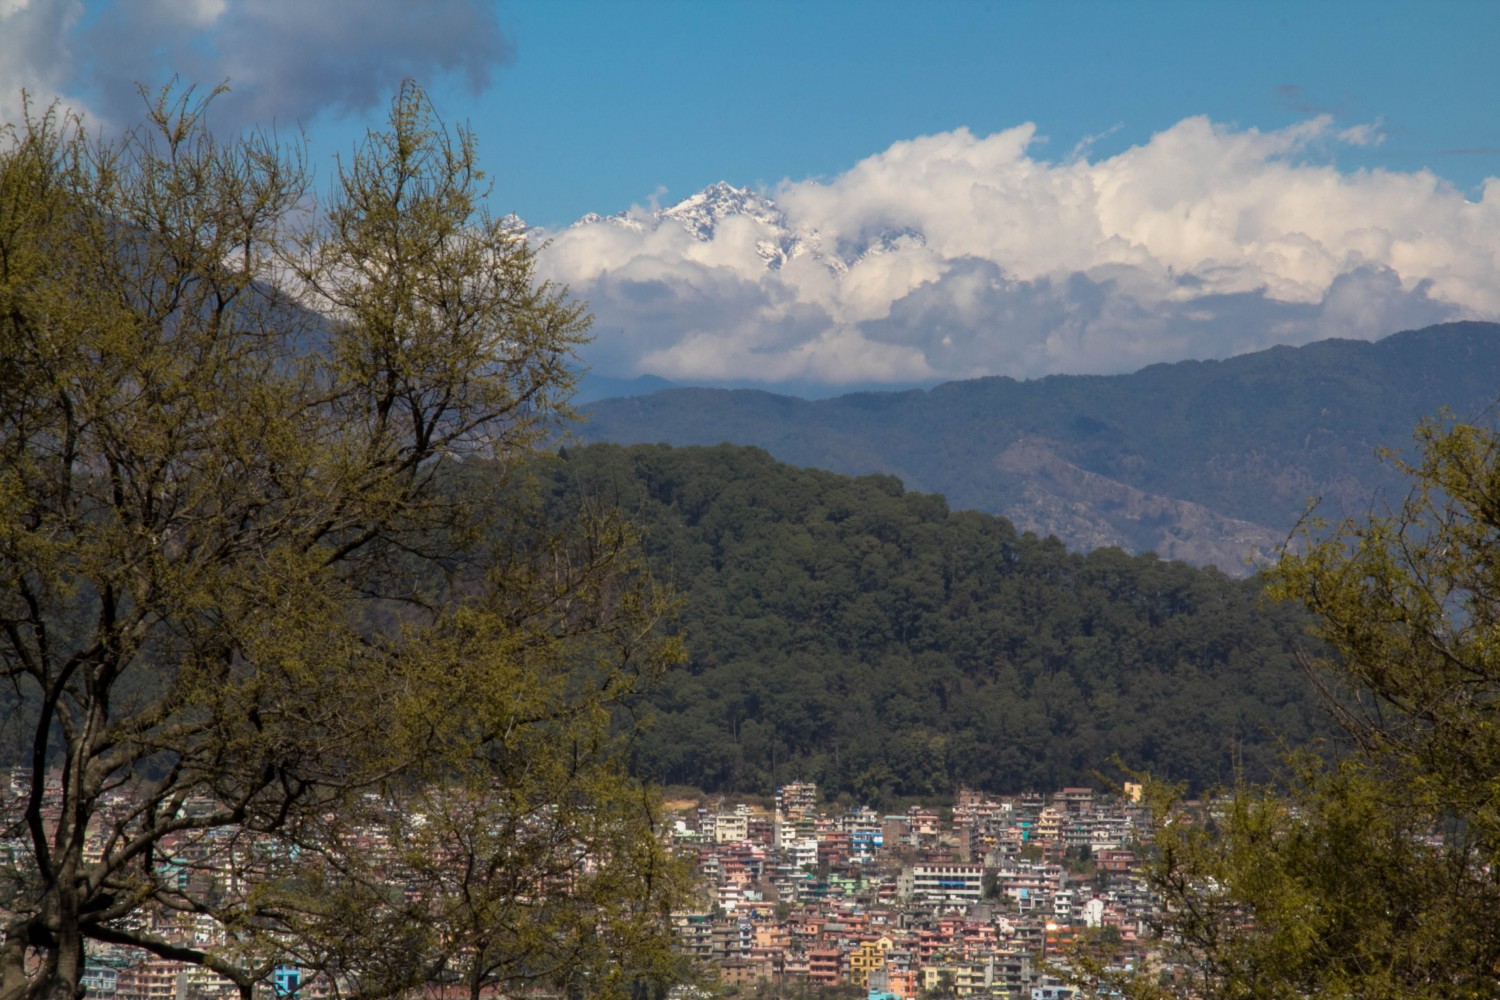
(948, 881)
(731, 828)
(804, 853)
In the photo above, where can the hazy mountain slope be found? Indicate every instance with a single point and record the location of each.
(1207, 461)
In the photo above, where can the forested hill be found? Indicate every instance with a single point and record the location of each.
(846, 631)
(1207, 461)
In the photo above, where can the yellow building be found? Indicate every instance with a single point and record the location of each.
(869, 956)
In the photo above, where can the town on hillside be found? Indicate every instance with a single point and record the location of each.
(987, 899)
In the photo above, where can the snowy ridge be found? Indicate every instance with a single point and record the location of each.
(622, 219)
(701, 215)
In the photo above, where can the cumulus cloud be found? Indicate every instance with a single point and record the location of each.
(286, 61)
(35, 52)
(956, 255)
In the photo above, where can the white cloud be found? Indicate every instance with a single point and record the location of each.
(286, 61)
(35, 55)
(965, 255)
(1363, 135)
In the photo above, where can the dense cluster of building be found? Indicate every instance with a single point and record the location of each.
(979, 900)
(193, 861)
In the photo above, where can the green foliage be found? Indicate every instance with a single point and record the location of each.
(244, 637)
(1337, 887)
(852, 633)
(1373, 872)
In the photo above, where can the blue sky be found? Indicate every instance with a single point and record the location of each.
(1066, 186)
(613, 100)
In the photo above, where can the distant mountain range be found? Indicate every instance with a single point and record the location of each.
(1210, 462)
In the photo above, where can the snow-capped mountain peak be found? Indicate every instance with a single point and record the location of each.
(622, 219)
(702, 214)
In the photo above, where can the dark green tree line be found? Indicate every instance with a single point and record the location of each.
(846, 631)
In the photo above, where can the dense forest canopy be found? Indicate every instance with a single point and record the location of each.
(846, 631)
